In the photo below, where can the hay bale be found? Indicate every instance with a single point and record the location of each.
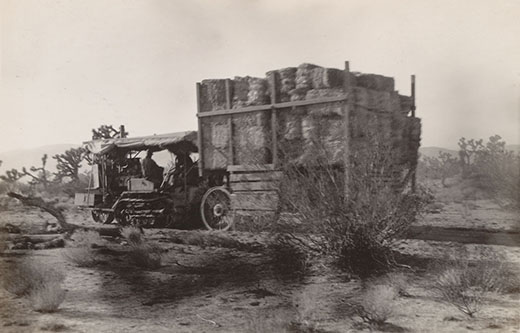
(375, 82)
(304, 75)
(213, 95)
(240, 91)
(251, 138)
(257, 94)
(287, 82)
(405, 104)
(324, 78)
(298, 94)
(249, 91)
(215, 131)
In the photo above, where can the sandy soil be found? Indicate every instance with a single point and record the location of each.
(216, 289)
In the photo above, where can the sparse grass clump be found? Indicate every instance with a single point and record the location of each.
(464, 284)
(377, 304)
(142, 253)
(47, 297)
(81, 250)
(132, 235)
(38, 283)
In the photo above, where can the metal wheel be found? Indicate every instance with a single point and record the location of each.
(215, 209)
(122, 215)
(102, 217)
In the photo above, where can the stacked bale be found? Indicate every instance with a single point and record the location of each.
(249, 91)
(251, 133)
(212, 95)
(284, 80)
(215, 135)
(374, 106)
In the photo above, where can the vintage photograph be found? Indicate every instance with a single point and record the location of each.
(258, 166)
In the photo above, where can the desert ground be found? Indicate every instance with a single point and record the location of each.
(232, 282)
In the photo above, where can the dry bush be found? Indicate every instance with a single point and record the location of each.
(492, 168)
(377, 304)
(359, 225)
(47, 297)
(142, 253)
(146, 255)
(40, 284)
(399, 281)
(464, 284)
(133, 235)
(81, 251)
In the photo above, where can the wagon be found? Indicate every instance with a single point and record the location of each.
(249, 130)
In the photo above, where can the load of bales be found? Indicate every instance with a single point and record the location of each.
(374, 106)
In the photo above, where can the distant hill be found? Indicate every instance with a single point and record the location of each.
(434, 151)
(32, 157)
(515, 148)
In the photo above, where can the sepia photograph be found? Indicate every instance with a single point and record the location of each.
(259, 166)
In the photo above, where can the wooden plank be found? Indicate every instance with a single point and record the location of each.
(257, 176)
(199, 133)
(228, 94)
(230, 121)
(414, 175)
(274, 136)
(346, 129)
(256, 108)
(255, 200)
(231, 152)
(413, 95)
(250, 168)
(274, 125)
(255, 186)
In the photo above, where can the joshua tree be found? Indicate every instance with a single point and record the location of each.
(108, 132)
(38, 175)
(69, 162)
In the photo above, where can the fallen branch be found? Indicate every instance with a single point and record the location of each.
(45, 206)
(68, 228)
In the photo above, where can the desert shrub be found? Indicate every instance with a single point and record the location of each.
(440, 167)
(376, 305)
(288, 259)
(492, 168)
(397, 280)
(357, 223)
(47, 297)
(81, 251)
(39, 283)
(464, 284)
(133, 235)
(146, 255)
(142, 253)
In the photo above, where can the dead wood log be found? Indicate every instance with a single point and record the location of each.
(43, 205)
(68, 228)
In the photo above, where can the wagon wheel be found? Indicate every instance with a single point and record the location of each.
(215, 209)
(102, 217)
(122, 215)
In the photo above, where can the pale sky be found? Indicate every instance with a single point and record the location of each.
(70, 66)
